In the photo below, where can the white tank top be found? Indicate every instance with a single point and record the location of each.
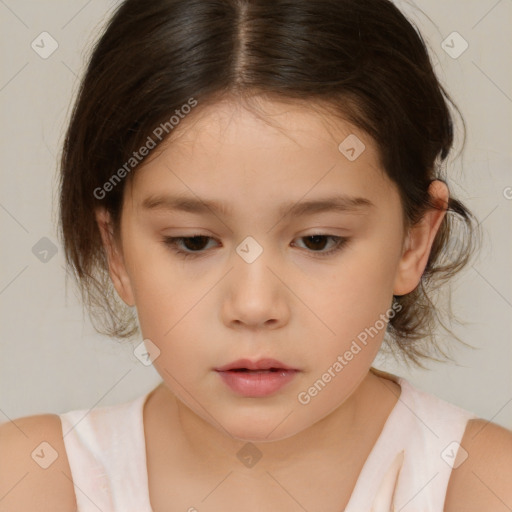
(407, 470)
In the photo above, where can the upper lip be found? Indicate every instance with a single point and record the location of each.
(261, 364)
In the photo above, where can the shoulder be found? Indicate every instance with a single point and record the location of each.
(483, 480)
(35, 472)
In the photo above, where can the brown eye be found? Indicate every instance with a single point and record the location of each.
(317, 243)
(193, 245)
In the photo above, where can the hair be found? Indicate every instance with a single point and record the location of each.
(361, 61)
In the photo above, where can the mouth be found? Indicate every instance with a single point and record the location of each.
(256, 379)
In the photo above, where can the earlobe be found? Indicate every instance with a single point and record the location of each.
(116, 266)
(419, 240)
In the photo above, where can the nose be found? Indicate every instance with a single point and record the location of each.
(254, 295)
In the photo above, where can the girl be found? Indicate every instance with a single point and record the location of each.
(261, 181)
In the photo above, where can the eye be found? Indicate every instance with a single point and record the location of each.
(318, 241)
(195, 244)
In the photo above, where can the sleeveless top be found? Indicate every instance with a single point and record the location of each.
(407, 470)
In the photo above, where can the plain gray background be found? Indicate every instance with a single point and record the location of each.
(53, 361)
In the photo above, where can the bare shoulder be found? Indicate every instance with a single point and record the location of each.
(34, 469)
(483, 480)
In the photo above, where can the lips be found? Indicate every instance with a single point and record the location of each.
(256, 379)
(262, 365)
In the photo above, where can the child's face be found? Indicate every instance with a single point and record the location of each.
(291, 303)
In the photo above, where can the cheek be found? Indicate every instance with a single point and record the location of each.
(156, 287)
(353, 308)
(171, 309)
(358, 289)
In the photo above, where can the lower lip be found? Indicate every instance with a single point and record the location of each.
(257, 384)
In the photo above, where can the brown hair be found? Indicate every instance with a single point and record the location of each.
(362, 61)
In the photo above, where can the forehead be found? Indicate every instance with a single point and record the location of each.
(259, 123)
(228, 148)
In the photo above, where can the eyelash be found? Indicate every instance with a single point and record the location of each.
(172, 243)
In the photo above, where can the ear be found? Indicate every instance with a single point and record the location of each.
(116, 266)
(419, 241)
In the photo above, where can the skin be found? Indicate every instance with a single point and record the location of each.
(289, 304)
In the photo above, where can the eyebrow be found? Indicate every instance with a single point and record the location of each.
(185, 203)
